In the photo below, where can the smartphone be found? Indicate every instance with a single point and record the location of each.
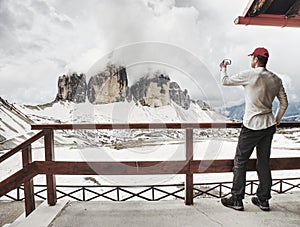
(227, 61)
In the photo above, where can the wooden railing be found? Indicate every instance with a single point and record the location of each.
(50, 167)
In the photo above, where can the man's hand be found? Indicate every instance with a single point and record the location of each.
(222, 65)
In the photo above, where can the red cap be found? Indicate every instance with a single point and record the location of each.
(260, 51)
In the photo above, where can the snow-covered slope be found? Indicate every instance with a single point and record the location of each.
(16, 121)
(14, 124)
(120, 112)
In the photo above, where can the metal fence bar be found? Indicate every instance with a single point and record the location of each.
(169, 194)
(212, 189)
(83, 193)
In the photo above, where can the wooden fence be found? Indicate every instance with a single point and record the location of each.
(189, 166)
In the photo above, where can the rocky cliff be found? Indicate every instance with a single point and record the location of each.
(178, 96)
(111, 85)
(159, 90)
(152, 91)
(72, 88)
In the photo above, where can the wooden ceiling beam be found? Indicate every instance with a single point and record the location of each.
(269, 20)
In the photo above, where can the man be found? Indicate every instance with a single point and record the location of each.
(259, 124)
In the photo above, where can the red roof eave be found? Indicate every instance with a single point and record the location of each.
(269, 20)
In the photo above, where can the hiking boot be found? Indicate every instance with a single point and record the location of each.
(230, 202)
(262, 204)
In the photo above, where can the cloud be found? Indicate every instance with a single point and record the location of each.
(160, 7)
(28, 60)
(45, 39)
(42, 7)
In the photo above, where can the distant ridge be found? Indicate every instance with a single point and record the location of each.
(236, 112)
(14, 110)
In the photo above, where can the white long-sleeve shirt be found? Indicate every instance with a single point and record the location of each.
(260, 88)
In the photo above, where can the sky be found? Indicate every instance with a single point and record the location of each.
(41, 40)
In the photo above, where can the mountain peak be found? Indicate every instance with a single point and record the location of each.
(155, 89)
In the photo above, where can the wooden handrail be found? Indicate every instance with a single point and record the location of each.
(21, 146)
(112, 168)
(155, 167)
(18, 178)
(150, 125)
(293, 124)
(225, 165)
(137, 126)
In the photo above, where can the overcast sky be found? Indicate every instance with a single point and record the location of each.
(41, 40)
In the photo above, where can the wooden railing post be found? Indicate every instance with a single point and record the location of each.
(28, 184)
(189, 182)
(49, 156)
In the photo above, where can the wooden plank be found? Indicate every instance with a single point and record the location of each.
(221, 166)
(28, 184)
(211, 166)
(112, 168)
(288, 125)
(49, 156)
(17, 179)
(154, 167)
(21, 146)
(285, 163)
(136, 126)
(189, 181)
(202, 125)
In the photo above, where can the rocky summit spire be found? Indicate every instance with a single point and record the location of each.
(152, 91)
(72, 88)
(109, 86)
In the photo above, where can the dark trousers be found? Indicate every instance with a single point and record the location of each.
(248, 139)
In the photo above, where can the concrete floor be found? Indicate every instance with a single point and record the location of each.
(285, 211)
(10, 211)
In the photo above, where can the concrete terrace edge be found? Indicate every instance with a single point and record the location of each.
(42, 214)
